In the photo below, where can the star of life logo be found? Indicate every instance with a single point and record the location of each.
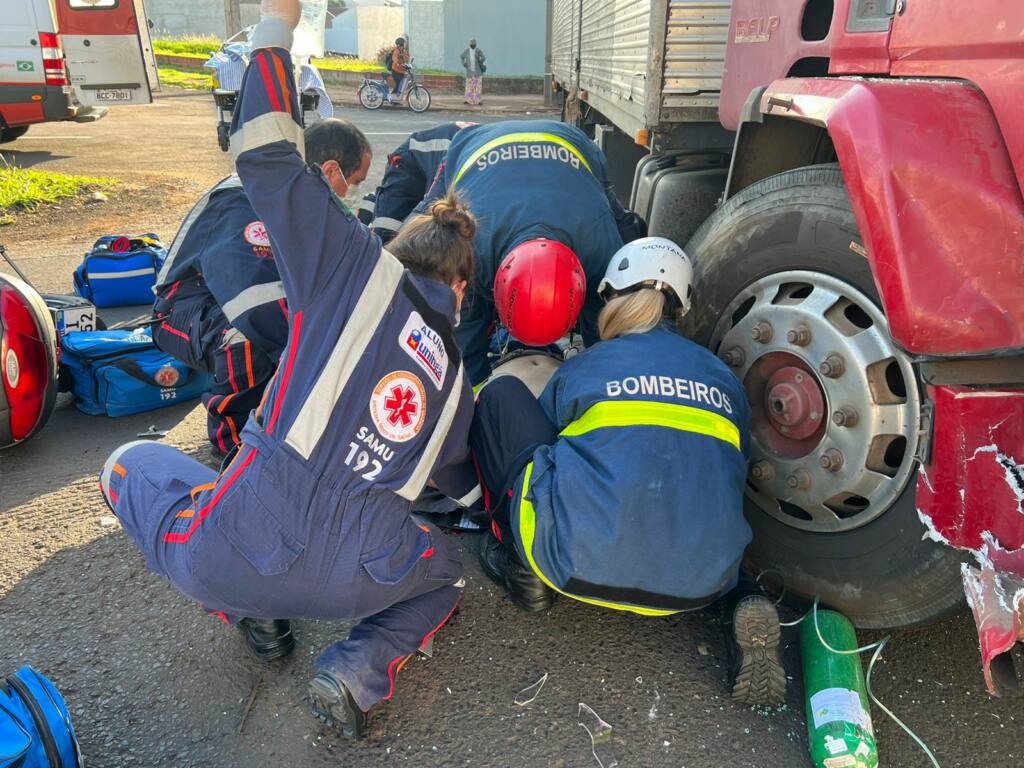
(256, 235)
(424, 345)
(398, 406)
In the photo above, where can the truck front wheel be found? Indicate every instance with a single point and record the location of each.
(784, 295)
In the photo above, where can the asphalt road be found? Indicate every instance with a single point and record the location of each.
(152, 681)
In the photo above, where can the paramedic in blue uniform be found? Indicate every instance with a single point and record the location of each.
(627, 476)
(531, 180)
(220, 303)
(310, 519)
(410, 171)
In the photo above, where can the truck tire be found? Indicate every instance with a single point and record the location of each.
(784, 295)
(10, 134)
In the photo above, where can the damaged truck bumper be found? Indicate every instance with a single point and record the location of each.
(970, 495)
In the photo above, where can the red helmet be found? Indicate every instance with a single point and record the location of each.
(539, 291)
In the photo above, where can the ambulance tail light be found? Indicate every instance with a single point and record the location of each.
(28, 361)
(53, 59)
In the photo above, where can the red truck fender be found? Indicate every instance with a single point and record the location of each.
(937, 202)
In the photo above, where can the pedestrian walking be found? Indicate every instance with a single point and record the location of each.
(473, 60)
(311, 516)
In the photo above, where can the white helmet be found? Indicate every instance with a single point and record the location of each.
(650, 262)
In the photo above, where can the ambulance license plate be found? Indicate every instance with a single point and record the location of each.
(80, 318)
(114, 94)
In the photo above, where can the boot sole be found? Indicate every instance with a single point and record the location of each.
(761, 678)
(331, 704)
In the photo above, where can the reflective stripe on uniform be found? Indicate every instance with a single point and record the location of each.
(374, 302)
(633, 413)
(386, 222)
(431, 145)
(527, 531)
(115, 275)
(252, 297)
(418, 479)
(519, 138)
(231, 182)
(266, 129)
(472, 497)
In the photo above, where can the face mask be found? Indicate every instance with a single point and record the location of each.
(473, 46)
(353, 197)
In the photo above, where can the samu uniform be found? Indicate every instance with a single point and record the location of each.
(524, 180)
(633, 498)
(220, 306)
(410, 172)
(311, 518)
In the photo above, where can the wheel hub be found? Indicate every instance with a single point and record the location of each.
(833, 402)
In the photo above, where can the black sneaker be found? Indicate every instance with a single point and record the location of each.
(757, 674)
(334, 705)
(503, 567)
(268, 639)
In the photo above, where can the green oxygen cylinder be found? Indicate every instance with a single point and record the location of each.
(839, 728)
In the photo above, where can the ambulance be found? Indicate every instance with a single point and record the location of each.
(71, 60)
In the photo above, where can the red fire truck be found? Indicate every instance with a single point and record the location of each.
(847, 176)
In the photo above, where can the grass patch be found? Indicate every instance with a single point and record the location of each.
(25, 189)
(187, 45)
(196, 80)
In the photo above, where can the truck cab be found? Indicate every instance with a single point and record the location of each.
(846, 176)
(70, 60)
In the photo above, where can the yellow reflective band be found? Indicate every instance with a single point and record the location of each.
(527, 532)
(519, 138)
(634, 413)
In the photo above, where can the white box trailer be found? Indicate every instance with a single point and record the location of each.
(644, 64)
(70, 60)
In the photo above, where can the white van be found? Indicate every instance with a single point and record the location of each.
(70, 59)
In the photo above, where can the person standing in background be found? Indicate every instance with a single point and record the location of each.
(473, 60)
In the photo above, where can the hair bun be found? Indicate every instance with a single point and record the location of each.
(451, 213)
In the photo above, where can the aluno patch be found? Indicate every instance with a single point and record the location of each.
(423, 344)
(398, 406)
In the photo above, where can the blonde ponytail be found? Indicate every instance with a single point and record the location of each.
(634, 312)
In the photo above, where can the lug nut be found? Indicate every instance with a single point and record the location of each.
(734, 357)
(799, 480)
(832, 366)
(761, 332)
(845, 417)
(801, 336)
(832, 460)
(762, 470)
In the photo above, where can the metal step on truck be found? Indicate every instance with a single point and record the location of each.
(846, 176)
(70, 60)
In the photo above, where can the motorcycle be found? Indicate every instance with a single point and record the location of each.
(374, 93)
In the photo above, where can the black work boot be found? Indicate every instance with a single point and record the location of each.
(333, 704)
(268, 639)
(504, 567)
(752, 631)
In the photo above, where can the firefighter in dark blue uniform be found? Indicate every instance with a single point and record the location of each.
(411, 170)
(311, 518)
(220, 304)
(623, 486)
(528, 181)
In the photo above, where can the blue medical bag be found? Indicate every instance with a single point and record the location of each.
(122, 372)
(35, 725)
(120, 271)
